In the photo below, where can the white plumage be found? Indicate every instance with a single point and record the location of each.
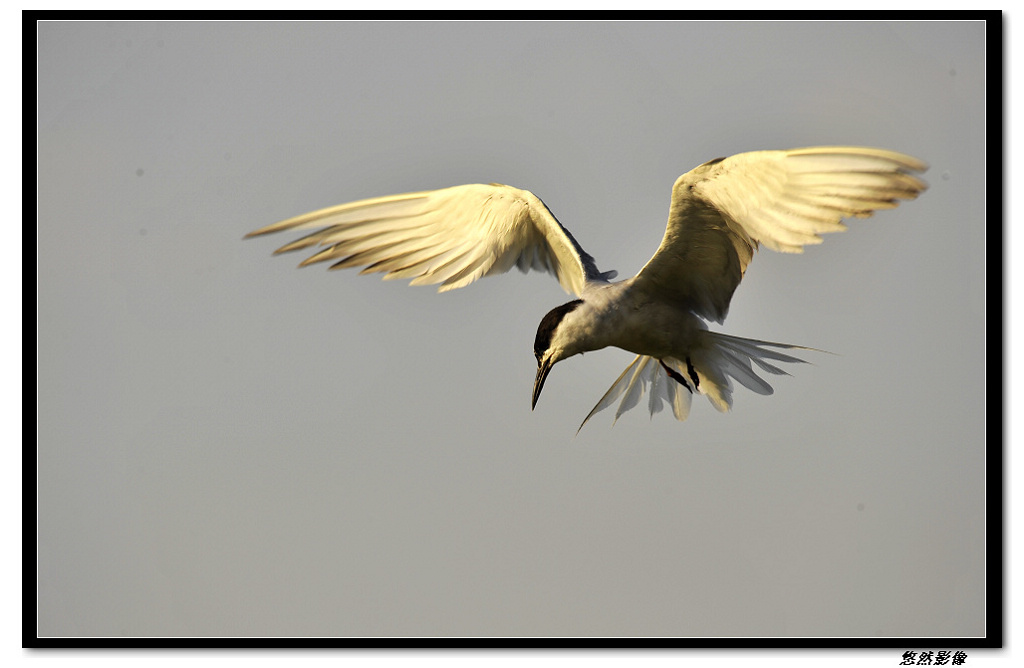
(720, 213)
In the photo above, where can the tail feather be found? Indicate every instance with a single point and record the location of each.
(618, 387)
(709, 368)
(634, 390)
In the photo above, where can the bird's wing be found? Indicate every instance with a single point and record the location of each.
(451, 236)
(722, 210)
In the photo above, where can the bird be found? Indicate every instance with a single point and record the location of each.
(720, 214)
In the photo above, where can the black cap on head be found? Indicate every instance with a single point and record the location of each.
(548, 324)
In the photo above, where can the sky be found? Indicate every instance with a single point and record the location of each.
(230, 446)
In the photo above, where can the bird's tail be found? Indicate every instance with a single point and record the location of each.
(709, 369)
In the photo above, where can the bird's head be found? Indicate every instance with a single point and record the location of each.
(553, 344)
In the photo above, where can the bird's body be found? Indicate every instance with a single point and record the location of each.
(720, 213)
(616, 314)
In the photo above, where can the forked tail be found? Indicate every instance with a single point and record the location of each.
(709, 368)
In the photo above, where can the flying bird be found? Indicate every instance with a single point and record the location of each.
(720, 213)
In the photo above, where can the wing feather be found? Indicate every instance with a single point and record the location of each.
(450, 237)
(723, 210)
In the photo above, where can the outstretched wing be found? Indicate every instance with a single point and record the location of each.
(722, 210)
(451, 236)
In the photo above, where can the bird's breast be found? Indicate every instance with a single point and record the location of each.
(644, 327)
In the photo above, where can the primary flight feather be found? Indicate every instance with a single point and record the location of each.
(720, 213)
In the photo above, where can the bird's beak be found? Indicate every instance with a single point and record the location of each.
(543, 369)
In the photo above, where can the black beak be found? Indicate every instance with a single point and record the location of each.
(543, 369)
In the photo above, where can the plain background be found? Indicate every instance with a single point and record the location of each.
(230, 446)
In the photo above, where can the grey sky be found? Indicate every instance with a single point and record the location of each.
(232, 446)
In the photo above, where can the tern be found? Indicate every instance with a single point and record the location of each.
(720, 213)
